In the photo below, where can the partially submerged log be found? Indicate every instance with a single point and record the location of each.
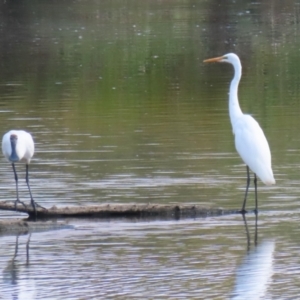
(175, 211)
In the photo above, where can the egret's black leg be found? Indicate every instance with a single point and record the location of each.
(256, 202)
(17, 190)
(246, 193)
(27, 181)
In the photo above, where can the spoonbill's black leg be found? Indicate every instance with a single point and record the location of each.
(27, 181)
(17, 189)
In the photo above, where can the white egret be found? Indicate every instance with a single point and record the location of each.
(250, 141)
(18, 145)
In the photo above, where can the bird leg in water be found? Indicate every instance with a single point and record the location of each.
(27, 250)
(16, 179)
(246, 193)
(17, 247)
(256, 202)
(27, 181)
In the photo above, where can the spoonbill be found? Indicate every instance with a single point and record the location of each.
(18, 146)
(250, 141)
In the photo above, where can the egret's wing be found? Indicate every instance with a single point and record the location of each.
(253, 147)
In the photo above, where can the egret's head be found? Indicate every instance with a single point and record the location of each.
(229, 58)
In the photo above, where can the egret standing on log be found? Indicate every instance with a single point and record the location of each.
(250, 141)
(18, 145)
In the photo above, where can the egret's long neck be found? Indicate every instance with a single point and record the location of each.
(234, 107)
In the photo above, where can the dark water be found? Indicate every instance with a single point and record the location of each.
(122, 109)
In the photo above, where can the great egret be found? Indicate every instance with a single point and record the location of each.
(18, 145)
(250, 141)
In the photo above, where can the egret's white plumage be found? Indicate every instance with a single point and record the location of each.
(18, 146)
(252, 146)
(250, 141)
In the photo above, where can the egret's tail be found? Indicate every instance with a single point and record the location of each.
(270, 182)
(266, 176)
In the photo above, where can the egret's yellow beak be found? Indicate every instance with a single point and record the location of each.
(215, 59)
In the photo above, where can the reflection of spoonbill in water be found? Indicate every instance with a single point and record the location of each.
(16, 276)
(254, 274)
(250, 141)
(18, 145)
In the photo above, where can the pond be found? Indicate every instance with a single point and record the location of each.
(122, 109)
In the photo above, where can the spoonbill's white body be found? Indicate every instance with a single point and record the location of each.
(250, 141)
(18, 146)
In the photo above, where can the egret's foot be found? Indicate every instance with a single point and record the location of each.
(255, 211)
(19, 202)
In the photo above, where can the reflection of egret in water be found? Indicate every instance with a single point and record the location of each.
(22, 287)
(255, 272)
(247, 231)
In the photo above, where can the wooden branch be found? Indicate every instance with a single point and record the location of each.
(174, 211)
(169, 211)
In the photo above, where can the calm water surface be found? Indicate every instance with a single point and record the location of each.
(122, 109)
